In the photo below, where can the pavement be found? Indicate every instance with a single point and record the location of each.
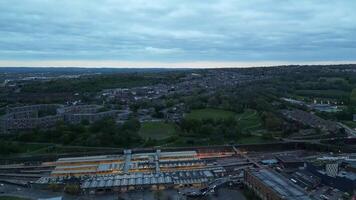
(18, 191)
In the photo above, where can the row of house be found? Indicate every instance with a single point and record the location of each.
(310, 120)
(210, 81)
(47, 115)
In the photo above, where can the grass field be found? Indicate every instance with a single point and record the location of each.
(157, 130)
(209, 113)
(249, 120)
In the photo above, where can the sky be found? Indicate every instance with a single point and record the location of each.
(176, 33)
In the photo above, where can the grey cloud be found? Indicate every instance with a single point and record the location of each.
(178, 30)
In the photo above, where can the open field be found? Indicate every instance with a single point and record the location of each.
(249, 120)
(210, 113)
(156, 130)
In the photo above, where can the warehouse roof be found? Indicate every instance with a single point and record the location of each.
(285, 188)
(90, 158)
(183, 177)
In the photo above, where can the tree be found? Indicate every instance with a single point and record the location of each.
(85, 122)
(271, 121)
(132, 125)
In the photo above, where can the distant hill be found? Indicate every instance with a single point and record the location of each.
(80, 70)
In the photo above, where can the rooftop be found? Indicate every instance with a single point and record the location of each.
(285, 188)
(89, 158)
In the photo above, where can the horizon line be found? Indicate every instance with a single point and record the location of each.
(153, 64)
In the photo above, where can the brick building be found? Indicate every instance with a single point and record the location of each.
(269, 185)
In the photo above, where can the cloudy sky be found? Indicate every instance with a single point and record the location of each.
(212, 33)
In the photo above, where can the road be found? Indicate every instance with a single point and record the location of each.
(29, 193)
(348, 130)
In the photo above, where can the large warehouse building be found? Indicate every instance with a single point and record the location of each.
(153, 170)
(270, 185)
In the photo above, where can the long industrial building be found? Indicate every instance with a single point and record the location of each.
(153, 170)
(269, 185)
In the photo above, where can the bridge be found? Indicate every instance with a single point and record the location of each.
(238, 152)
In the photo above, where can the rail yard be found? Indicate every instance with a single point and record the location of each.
(193, 172)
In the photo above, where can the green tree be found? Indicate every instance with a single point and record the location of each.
(271, 121)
